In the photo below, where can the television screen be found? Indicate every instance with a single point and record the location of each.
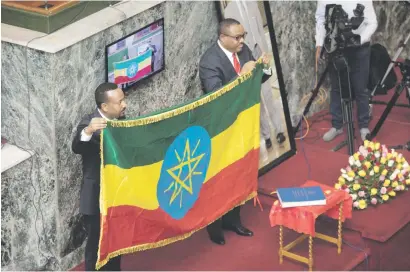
(136, 56)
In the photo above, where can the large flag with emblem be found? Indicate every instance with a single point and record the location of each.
(169, 174)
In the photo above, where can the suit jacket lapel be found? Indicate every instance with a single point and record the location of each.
(224, 59)
(242, 59)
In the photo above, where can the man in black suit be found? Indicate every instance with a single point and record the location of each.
(110, 105)
(228, 58)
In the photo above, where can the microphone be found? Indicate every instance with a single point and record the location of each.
(405, 146)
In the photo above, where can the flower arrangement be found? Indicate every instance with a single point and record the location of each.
(374, 175)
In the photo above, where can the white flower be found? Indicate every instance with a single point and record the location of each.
(345, 176)
(390, 163)
(343, 171)
(351, 160)
(357, 163)
(371, 173)
(354, 196)
(349, 179)
(377, 154)
(392, 176)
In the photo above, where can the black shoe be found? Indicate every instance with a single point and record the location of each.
(280, 137)
(220, 240)
(268, 143)
(240, 230)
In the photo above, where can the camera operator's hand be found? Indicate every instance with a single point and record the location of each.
(95, 124)
(247, 67)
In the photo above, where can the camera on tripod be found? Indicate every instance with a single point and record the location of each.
(339, 28)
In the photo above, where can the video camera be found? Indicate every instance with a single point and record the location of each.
(339, 34)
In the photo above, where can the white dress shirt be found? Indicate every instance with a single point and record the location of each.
(84, 136)
(365, 30)
(230, 57)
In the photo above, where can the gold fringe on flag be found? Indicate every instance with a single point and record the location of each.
(159, 243)
(201, 101)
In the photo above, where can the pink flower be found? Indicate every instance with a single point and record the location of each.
(383, 190)
(348, 169)
(361, 194)
(347, 190)
(382, 178)
(374, 201)
(356, 204)
(363, 151)
(402, 178)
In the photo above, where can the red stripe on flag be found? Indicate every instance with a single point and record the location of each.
(128, 226)
(141, 73)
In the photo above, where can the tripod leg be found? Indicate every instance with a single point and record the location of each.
(345, 89)
(350, 126)
(386, 112)
(309, 104)
(347, 106)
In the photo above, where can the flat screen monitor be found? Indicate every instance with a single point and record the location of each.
(136, 56)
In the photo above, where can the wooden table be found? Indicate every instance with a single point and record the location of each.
(302, 220)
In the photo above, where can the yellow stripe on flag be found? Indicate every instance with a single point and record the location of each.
(138, 186)
(122, 72)
(144, 63)
(141, 65)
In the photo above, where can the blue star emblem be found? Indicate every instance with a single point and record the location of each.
(132, 70)
(184, 171)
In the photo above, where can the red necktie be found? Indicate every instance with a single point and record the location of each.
(236, 64)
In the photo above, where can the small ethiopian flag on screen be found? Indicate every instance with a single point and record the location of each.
(132, 69)
(169, 174)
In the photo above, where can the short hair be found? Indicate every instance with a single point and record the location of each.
(101, 92)
(225, 24)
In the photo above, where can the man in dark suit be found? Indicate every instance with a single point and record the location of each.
(110, 105)
(228, 58)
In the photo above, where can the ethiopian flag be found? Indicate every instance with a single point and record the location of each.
(169, 174)
(132, 69)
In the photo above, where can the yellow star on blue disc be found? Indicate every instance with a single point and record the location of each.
(183, 171)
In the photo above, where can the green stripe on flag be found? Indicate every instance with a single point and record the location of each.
(140, 145)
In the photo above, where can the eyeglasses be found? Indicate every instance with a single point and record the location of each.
(238, 37)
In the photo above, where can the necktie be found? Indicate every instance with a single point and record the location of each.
(236, 64)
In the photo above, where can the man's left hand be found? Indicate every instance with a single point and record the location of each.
(266, 59)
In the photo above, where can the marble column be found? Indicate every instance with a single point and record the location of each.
(44, 96)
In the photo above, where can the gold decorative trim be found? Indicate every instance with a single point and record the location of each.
(159, 243)
(180, 110)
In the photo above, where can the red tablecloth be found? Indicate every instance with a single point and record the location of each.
(302, 219)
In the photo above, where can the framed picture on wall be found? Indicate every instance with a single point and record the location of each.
(277, 142)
